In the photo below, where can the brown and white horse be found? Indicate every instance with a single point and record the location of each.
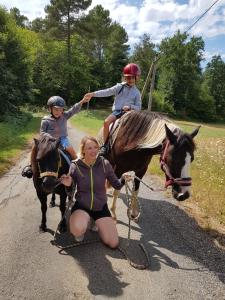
(138, 137)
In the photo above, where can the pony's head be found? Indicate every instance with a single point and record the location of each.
(175, 159)
(49, 161)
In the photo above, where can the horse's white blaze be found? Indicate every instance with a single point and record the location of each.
(185, 172)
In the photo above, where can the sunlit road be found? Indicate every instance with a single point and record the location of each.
(185, 264)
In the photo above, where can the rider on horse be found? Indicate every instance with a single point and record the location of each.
(127, 97)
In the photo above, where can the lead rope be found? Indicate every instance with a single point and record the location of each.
(123, 251)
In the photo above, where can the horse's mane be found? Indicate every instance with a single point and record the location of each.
(46, 144)
(142, 129)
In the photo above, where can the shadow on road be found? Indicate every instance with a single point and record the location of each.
(94, 259)
(163, 226)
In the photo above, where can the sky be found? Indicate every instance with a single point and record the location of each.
(159, 18)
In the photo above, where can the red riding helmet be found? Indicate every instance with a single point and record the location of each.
(131, 70)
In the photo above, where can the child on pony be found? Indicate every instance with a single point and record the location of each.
(127, 97)
(55, 125)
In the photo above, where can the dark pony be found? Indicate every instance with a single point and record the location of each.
(138, 137)
(48, 165)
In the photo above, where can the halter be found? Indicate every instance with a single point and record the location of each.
(51, 173)
(170, 180)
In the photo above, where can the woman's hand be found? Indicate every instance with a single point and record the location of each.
(66, 180)
(128, 176)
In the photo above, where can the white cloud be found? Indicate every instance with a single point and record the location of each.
(30, 8)
(159, 18)
(162, 18)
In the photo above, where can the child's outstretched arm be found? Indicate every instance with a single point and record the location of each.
(76, 108)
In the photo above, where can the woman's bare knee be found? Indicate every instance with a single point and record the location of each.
(79, 222)
(113, 243)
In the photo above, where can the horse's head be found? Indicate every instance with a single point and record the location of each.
(49, 161)
(176, 157)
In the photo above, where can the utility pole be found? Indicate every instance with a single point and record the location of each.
(152, 85)
(147, 81)
(150, 78)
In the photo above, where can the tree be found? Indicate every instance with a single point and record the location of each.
(15, 76)
(180, 71)
(144, 54)
(105, 43)
(60, 22)
(21, 20)
(214, 78)
(38, 25)
(62, 16)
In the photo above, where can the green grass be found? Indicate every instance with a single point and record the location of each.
(90, 121)
(208, 168)
(14, 136)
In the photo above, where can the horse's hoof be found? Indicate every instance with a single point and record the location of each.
(62, 228)
(135, 218)
(52, 204)
(42, 228)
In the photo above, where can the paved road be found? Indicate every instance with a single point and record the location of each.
(185, 264)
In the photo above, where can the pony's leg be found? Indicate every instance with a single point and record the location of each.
(113, 206)
(43, 199)
(52, 202)
(135, 211)
(62, 207)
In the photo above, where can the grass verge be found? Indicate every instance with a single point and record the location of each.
(14, 136)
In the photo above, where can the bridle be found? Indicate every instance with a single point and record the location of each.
(51, 173)
(170, 180)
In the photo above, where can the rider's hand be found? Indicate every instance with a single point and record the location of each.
(88, 96)
(126, 108)
(66, 180)
(85, 99)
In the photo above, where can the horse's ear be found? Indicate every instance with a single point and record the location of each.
(195, 132)
(36, 142)
(170, 135)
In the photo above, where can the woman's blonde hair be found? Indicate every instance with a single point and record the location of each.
(83, 143)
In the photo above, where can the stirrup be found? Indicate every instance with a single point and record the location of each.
(27, 172)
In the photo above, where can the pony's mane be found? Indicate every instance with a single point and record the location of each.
(142, 129)
(46, 144)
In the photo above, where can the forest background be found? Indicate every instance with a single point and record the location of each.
(70, 52)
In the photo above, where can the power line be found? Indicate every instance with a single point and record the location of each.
(201, 16)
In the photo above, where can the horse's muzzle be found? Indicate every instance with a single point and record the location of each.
(49, 183)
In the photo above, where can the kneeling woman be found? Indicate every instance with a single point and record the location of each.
(89, 174)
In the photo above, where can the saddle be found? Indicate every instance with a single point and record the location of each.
(105, 149)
